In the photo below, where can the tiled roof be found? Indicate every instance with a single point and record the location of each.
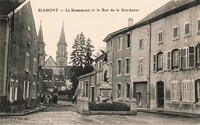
(165, 8)
(173, 6)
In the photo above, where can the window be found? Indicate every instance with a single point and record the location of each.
(176, 59)
(26, 90)
(160, 61)
(198, 55)
(86, 89)
(29, 35)
(187, 29)
(35, 66)
(188, 57)
(119, 90)
(175, 32)
(188, 91)
(198, 25)
(141, 44)
(160, 37)
(119, 64)
(127, 67)
(127, 90)
(27, 62)
(128, 40)
(140, 66)
(13, 90)
(175, 91)
(119, 46)
(198, 88)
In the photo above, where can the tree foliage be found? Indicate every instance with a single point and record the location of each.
(81, 58)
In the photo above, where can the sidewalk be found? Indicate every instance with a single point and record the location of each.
(24, 112)
(169, 112)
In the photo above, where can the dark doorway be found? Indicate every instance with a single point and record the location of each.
(160, 94)
(140, 93)
(92, 94)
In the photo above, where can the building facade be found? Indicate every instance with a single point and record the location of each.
(19, 56)
(118, 46)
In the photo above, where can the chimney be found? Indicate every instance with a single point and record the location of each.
(130, 22)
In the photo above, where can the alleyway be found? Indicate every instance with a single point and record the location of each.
(64, 113)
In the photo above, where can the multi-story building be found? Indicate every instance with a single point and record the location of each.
(18, 56)
(175, 56)
(118, 46)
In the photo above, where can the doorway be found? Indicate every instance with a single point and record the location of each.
(160, 94)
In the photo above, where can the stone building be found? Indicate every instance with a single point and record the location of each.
(18, 56)
(118, 45)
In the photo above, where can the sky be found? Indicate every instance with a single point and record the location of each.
(96, 24)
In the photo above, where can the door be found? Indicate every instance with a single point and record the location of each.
(160, 94)
(92, 94)
(140, 93)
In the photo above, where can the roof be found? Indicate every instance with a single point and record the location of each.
(62, 36)
(50, 62)
(100, 57)
(7, 7)
(172, 7)
(86, 75)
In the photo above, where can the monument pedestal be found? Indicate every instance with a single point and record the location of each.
(105, 92)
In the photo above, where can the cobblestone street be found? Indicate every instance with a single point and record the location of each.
(64, 113)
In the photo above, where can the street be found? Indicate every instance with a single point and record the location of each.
(64, 113)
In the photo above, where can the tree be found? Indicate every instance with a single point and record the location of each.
(81, 59)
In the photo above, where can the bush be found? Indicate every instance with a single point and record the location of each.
(115, 106)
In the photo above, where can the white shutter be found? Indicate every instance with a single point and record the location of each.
(16, 92)
(168, 60)
(11, 90)
(193, 98)
(27, 94)
(179, 65)
(24, 90)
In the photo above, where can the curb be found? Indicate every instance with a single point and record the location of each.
(174, 113)
(24, 113)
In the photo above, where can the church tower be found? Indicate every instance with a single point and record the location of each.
(41, 46)
(61, 54)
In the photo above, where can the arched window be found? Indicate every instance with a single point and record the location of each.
(127, 90)
(119, 88)
(176, 59)
(160, 61)
(127, 67)
(119, 64)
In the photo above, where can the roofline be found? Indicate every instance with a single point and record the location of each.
(88, 74)
(18, 8)
(156, 18)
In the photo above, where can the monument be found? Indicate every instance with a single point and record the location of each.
(105, 87)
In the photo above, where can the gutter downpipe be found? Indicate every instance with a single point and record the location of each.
(149, 79)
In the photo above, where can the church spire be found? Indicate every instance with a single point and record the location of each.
(40, 34)
(62, 36)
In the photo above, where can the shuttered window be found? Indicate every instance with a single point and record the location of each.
(140, 66)
(160, 61)
(188, 91)
(175, 91)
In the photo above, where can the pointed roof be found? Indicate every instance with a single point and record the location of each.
(40, 34)
(50, 62)
(62, 36)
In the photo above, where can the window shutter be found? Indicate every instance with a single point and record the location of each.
(164, 61)
(154, 63)
(184, 59)
(16, 92)
(179, 63)
(193, 94)
(191, 57)
(168, 60)
(172, 91)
